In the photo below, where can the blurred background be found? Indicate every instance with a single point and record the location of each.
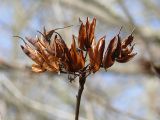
(127, 91)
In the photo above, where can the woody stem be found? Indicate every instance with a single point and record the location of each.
(82, 80)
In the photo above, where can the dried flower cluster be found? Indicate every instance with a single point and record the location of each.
(51, 53)
(54, 55)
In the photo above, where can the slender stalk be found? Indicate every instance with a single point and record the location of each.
(82, 80)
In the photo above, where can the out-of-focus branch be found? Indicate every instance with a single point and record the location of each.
(41, 109)
(90, 10)
(108, 11)
(149, 5)
(106, 104)
(89, 111)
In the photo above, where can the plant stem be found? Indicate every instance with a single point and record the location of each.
(82, 80)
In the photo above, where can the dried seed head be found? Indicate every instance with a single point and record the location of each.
(50, 52)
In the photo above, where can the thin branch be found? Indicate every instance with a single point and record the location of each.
(82, 80)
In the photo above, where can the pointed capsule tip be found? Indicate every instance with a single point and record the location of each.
(22, 46)
(133, 31)
(120, 30)
(104, 37)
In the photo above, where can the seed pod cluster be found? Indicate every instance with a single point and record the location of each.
(50, 52)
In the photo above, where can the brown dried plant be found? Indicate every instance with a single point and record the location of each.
(50, 53)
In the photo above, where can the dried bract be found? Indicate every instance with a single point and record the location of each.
(109, 58)
(96, 54)
(86, 34)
